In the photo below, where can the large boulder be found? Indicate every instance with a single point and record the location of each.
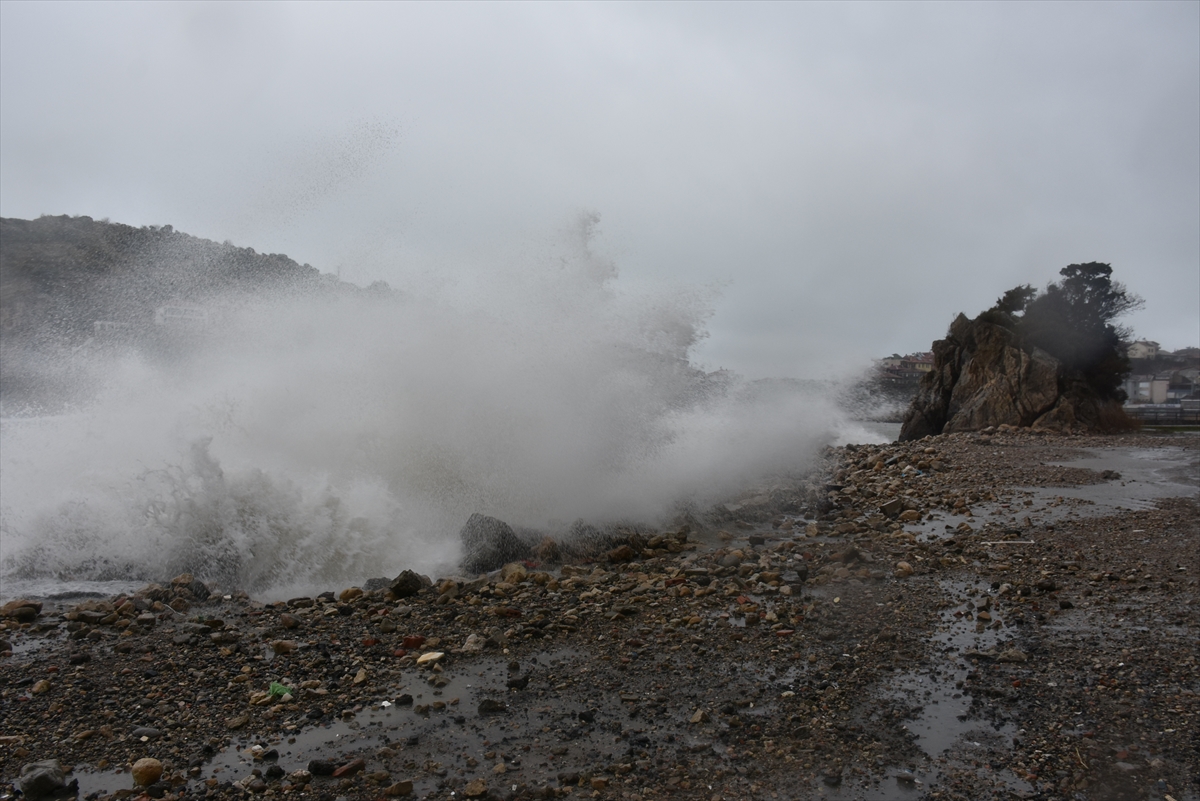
(408, 584)
(489, 544)
(982, 377)
(45, 779)
(999, 383)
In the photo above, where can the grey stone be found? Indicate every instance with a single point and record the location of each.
(407, 584)
(489, 544)
(44, 779)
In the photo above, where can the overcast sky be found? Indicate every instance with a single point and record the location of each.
(847, 175)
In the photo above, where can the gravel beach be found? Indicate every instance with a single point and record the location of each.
(994, 615)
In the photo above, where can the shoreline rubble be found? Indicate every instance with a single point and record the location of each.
(805, 642)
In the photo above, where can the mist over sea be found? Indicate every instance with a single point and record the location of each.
(298, 443)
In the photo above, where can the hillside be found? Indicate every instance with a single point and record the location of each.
(68, 282)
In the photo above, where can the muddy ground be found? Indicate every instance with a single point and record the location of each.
(981, 616)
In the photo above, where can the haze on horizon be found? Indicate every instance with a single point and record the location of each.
(846, 177)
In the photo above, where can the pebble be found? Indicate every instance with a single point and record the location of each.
(429, 657)
(43, 779)
(146, 771)
(321, 767)
(349, 769)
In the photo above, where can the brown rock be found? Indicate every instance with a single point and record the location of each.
(981, 378)
(22, 610)
(513, 572)
(407, 584)
(146, 771)
(622, 553)
(893, 507)
(350, 768)
(547, 551)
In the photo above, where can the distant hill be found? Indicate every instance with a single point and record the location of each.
(64, 281)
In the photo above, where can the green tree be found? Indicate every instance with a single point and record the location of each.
(1016, 299)
(1074, 321)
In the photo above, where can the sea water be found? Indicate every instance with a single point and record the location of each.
(312, 440)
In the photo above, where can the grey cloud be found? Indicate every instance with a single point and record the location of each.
(851, 174)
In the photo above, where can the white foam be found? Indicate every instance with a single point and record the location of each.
(315, 441)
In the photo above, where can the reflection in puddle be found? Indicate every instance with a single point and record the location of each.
(944, 729)
(436, 722)
(943, 722)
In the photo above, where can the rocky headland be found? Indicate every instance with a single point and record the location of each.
(982, 376)
(991, 615)
(1051, 359)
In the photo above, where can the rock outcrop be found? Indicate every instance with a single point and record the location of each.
(489, 544)
(46, 779)
(982, 377)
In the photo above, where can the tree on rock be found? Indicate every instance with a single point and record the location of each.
(1053, 360)
(1073, 321)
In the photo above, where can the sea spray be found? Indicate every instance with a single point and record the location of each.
(307, 440)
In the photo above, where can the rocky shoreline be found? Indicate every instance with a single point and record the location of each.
(968, 616)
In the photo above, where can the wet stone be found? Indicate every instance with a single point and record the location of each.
(146, 771)
(43, 779)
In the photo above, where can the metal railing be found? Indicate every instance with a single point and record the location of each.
(1164, 414)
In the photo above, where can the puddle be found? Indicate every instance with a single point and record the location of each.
(1146, 475)
(436, 723)
(939, 525)
(944, 729)
(943, 724)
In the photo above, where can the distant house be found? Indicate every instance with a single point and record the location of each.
(1143, 349)
(1147, 388)
(911, 367)
(1185, 354)
(1182, 384)
(180, 314)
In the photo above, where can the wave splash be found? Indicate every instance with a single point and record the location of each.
(311, 440)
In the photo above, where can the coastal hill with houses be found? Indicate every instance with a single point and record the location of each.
(1163, 386)
(71, 285)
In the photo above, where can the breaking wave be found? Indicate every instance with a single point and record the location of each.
(321, 438)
